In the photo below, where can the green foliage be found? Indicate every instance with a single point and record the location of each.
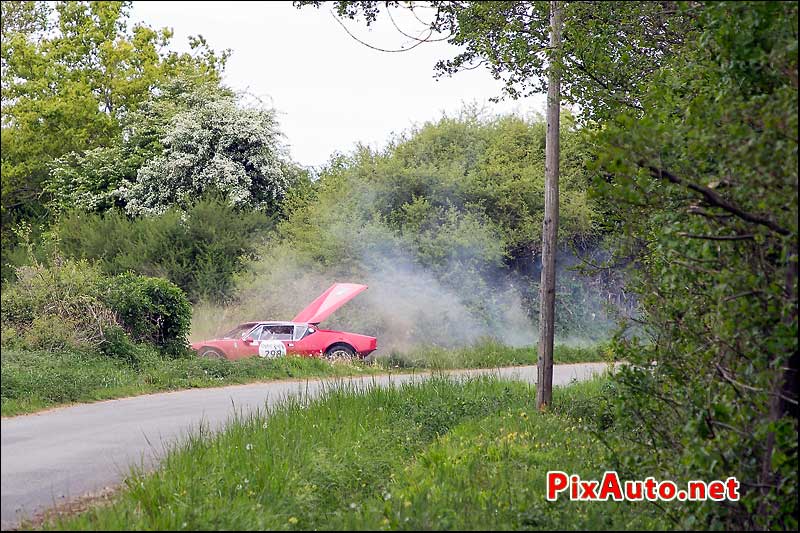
(89, 180)
(199, 250)
(71, 72)
(151, 310)
(196, 242)
(94, 180)
(492, 167)
(703, 184)
(471, 173)
(71, 304)
(57, 307)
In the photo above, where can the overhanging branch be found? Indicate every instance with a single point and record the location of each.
(717, 200)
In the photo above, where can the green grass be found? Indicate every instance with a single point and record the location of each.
(35, 380)
(439, 455)
(489, 354)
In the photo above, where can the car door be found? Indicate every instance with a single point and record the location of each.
(304, 341)
(247, 346)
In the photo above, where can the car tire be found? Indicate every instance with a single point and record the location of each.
(211, 353)
(340, 352)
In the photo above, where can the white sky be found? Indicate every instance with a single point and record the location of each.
(331, 91)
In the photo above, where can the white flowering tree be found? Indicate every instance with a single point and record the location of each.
(215, 146)
(88, 180)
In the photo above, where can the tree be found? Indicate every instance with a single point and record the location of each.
(703, 184)
(200, 249)
(211, 144)
(90, 180)
(68, 80)
(608, 48)
(547, 283)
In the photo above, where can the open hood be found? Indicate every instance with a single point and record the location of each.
(328, 302)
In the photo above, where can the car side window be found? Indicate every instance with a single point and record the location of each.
(277, 332)
(299, 332)
(283, 333)
(255, 334)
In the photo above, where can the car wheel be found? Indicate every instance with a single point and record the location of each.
(211, 353)
(340, 352)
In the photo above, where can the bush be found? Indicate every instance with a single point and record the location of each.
(199, 250)
(151, 310)
(52, 332)
(71, 304)
(56, 307)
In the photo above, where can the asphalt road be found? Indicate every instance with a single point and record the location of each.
(54, 456)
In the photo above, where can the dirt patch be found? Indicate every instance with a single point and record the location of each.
(99, 498)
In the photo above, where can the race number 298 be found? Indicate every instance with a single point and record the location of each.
(272, 349)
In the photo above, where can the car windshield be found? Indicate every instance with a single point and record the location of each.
(238, 332)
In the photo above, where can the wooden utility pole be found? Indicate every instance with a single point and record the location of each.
(547, 283)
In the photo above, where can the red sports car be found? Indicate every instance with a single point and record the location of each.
(301, 336)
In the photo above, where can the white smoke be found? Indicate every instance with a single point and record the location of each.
(468, 296)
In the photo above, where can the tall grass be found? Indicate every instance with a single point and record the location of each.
(437, 455)
(488, 353)
(34, 380)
